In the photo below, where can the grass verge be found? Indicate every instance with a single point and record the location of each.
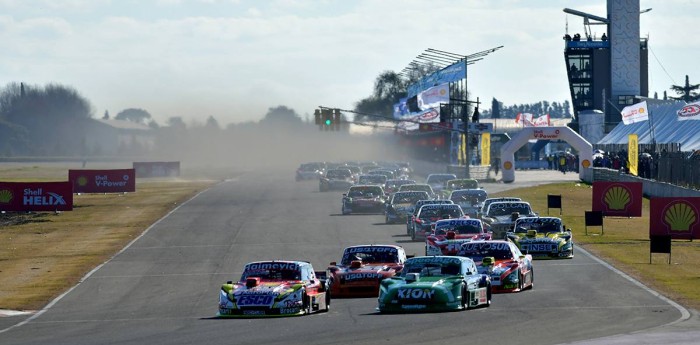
(625, 242)
(45, 254)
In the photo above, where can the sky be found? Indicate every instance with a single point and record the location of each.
(235, 59)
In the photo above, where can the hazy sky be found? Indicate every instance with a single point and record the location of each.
(234, 59)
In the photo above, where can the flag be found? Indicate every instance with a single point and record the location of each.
(689, 112)
(635, 113)
(432, 97)
(542, 121)
(528, 120)
(524, 119)
(633, 153)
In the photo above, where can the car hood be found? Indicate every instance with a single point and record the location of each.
(541, 238)
(266, 288)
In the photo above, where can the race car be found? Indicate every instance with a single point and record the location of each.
(460, 183)
(500, 216)
(401, 205)
(377, 180)
(449, 234)
(470, 200)
(310, 171)
(410, 220)
(489, 201)
(275, 288)
(543, 238)
(419, 187)
(336, 179)
(435, 283)
(364, 198)
(362, 268)
(509, 269)
(437, 181)
(392, 186)
(429, 214)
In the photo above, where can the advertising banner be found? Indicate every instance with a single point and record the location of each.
(633, 154)
(36, 196)
(450, 74)
(635, 113)
(486, 149)
(434, 96)
(157, 169)
(618, 199)
(690, 111)
(413, 122)
(401, 108)
(103, 181)
(678, 217)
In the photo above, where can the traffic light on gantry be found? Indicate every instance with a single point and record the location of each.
(317, 117)
(336, 119)
(327, 117)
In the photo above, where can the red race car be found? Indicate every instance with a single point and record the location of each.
(362, 268)
(510, 270)
(449, 234)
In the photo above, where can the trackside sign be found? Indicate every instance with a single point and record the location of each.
(677, 217)
(36, 196)
(157, 169)
(103, 181)
(618, 199)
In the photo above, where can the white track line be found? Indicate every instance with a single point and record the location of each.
(52, 303)
(685, 314)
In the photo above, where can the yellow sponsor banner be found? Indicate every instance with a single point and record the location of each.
(633, 153)
(485, 148)
(462, 149)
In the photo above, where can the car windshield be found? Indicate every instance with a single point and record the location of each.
(374, 179)
(338, 174)
(496, 210)
(471, 198)
(434, 179)
(416, 187)
(310, 167)
(479, 250)
(370, 254)
(443, 213)
(407, 198)
(462, 184)
(433, 269)
(272, 274)
(364, 192)
(541, 227)
(460, 229)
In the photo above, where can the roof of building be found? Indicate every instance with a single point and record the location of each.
(663, 118)
(122, 124)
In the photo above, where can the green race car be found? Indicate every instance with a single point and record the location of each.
(542, 237)
(435, 283)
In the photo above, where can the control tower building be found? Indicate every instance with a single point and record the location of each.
(607, 70)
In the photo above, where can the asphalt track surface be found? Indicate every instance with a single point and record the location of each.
(163, 288)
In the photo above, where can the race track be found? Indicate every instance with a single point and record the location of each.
(163, 289)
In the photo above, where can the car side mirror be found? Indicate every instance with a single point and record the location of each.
(345, 194)
(333, 263)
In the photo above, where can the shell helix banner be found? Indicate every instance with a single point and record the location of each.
(103, 181)
(485, 148)
(678, 217)
(618, 199)
(157, 169)
(633, 154)
(36, 196)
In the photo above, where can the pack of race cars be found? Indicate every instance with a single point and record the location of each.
(468, 255)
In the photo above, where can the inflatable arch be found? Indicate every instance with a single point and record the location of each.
(584, 148)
